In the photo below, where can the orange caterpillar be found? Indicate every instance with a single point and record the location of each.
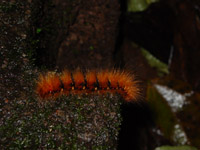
(113, 81)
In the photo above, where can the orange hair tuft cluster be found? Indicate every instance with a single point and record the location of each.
(77, 82)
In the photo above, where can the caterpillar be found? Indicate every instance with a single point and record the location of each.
(92, 81)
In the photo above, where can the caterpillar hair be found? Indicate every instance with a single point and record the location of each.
(92, 81)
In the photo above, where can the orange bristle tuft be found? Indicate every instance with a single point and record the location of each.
(79, 79)
(48, 85)
(66, 80)
(128, 83)
(102, 77)
(113, 77)
(91, 80)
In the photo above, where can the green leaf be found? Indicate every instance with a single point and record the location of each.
(162, 113)
(154, 62)
(91, 48)
(38, 30)
(139, 5)
(176, 148)
(151, 1)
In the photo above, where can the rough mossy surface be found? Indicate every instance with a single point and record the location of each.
(16, 73)
(90, 122)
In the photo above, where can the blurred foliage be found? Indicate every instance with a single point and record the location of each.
(178, 127)
(190, 118)
(161, 67)
(176, 148)
(188, 115)
(139, 5)
(162, 113)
